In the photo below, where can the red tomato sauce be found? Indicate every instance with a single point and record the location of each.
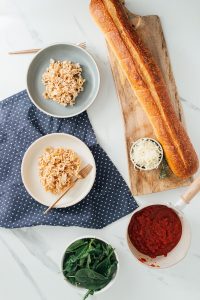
(155, 230)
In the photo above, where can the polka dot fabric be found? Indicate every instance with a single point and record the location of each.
(21, 123)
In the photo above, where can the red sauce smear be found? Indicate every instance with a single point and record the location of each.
(155, 230)
(154, 266)
(143, 260)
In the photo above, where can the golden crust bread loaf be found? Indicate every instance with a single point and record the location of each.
(148, 84)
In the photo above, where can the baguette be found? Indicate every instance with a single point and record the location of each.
(148, 84)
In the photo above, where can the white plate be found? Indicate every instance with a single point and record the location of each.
(30, 172)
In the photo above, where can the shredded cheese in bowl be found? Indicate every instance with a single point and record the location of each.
(146, 154)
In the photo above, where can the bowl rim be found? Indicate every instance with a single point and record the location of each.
(170, 205)
(43, 137)
(98, 80)
(103, 240)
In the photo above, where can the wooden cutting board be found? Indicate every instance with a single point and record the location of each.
(136, 122)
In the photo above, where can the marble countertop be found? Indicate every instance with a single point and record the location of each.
(30, 258)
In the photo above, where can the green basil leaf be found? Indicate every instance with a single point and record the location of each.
(81, 252)
(96, 242)
(91, 242)
(71, 274)
(76, 245)
(90, 279)
(110, 249)
(70, 267)
(95, 263)
(103, 266)
(112, 270)
(70, 259)
(82, 262)
(113, 258)
(164, 171)
(106, 249)
(72, 280)
(96, 251)
(88, 261)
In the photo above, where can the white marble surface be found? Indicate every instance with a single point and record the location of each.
(30, 258)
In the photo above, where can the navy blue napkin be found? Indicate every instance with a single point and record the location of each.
(21, 123)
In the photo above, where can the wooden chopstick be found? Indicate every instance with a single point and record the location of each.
(54, 203)
(81, 175)
(34, 50)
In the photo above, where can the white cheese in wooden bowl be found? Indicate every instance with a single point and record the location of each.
(146, 154)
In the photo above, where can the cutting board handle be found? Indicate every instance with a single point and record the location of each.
(193, 189)
(136, 20)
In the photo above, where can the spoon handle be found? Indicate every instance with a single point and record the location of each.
(193, 189)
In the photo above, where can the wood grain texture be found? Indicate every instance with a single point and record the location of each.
(136, 122)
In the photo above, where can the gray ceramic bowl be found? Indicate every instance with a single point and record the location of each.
(38, 66)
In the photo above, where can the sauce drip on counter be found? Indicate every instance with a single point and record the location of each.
(155, 230)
